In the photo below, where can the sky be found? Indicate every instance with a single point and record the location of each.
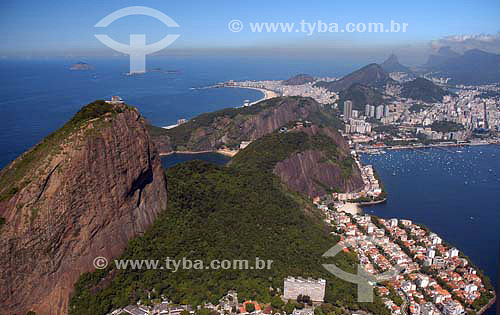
(62, 28)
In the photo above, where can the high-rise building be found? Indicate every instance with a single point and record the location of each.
(379, 112)
(347, 110)
(367, 110)
(372, 111)
(386, 111)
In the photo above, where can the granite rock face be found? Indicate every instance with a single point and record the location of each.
(100, 186)
(303, 172)
(314, 172)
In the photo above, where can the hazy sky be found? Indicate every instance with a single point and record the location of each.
(67, 27)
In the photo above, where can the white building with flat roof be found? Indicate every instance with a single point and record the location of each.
(315, 289)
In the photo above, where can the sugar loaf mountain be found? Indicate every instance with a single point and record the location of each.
(96, 187)
(82, 192)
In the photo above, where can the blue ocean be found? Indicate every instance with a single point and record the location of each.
(37, 96)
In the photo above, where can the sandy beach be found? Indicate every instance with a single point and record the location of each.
(267, 93)
(227, 152)
(350, 207)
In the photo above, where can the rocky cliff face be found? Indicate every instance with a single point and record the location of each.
(316, 172)
(304, 172)
(81, 193)
(231, 126)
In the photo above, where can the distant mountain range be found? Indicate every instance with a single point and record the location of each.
(392, 65)
(473, 67)
(371, 75)
(442, 55)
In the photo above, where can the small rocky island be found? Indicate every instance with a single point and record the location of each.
(80, 66)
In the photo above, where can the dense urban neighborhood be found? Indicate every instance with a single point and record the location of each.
(455, 114)
(436, 277)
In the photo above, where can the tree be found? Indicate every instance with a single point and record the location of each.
(249, 307)
(289, 307)
(185, 312)
(318, 311)
(277, 302)
(204, 311)
(327, 308)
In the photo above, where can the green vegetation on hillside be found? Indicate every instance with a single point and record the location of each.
(222, 213)
(360, 95)
(180, 135)
(263, 154)
(423, 90)
(13, 173)
(225, 127)
(392, 130)
(446, 126)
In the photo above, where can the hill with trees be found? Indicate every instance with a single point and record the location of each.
(224, 213)
(299, 79)
(371, 75)
(229, 127)
(423, 90)
(360, 95)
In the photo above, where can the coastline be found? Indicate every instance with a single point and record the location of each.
(428, 146)
(226, 152)
(487, 306)
(184, 152)
(266, 94)
(374, 202)
(229, 153)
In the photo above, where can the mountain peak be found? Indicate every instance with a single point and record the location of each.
(447, 52)
(99, 177)
(299, 79)
(392, 64)
(392, 58)
(371, 75)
